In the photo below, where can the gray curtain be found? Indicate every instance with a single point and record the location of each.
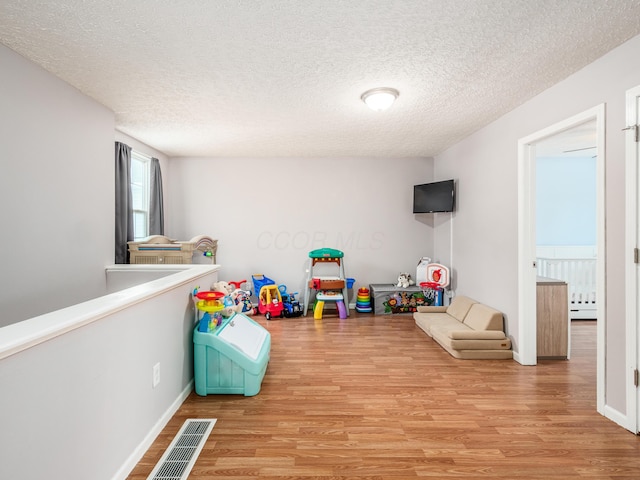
(124, 203)
(156, 207)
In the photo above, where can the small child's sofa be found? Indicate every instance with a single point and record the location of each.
(466, 329)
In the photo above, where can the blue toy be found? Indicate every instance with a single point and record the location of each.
(292, 307)
(260, 281)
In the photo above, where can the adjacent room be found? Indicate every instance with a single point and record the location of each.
(243, 140)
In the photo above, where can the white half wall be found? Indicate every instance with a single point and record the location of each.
(56, 192)
(267, 214)
(78, 400)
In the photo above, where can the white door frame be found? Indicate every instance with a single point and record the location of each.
(631, 271)
(526, 354)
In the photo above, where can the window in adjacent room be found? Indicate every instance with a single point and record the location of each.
(140, 193)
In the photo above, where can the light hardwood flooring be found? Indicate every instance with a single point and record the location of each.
(372, 397)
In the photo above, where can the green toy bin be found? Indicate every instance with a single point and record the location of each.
(232, 359)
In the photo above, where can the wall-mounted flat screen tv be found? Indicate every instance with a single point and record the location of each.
(434, 197)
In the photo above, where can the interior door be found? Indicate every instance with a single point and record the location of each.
(631, 255)
(526, 354)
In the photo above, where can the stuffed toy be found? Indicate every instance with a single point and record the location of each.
(243, 300)
(404, 280)
(235, 300)
(224, 287)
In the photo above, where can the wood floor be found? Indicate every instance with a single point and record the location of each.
(372, 397)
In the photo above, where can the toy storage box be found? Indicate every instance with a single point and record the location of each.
(388, 299)
(232, 359)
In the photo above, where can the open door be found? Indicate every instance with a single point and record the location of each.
(527, 269)
(632, 242)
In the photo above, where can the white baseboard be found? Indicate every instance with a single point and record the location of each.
(516, 357)
(617, 417)
(139, 452)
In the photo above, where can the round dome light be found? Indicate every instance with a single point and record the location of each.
(379, 99)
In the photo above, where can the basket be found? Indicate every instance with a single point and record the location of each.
(432, 292)
(260, 281)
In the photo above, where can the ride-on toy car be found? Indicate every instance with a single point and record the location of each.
(270, 302)
(292, 307)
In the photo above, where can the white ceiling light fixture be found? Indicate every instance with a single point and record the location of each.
(379, 99)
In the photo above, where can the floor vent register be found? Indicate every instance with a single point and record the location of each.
(181, 455)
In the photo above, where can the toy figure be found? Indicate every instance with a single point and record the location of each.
(235, 300)
(404, 280)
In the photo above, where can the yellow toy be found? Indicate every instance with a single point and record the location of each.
(270, 302)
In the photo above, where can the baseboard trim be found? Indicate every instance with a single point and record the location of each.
(148, 440)
(617, 417)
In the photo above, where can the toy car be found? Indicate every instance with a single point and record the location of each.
(270, 302)
(292, 307)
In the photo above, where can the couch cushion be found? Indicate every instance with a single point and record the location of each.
(432, 309)
(460, 306)
(477, 334)
(479, 349)
(504, 344)
(481, 317)
(426, 321)
(445, 329)
(479, 354)
(444, 337)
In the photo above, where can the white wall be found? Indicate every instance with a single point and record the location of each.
(267, 214)
(565, 201)
(81, 404)
(56, 191)
(485, 229)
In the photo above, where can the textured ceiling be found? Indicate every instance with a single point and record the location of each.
(284, 77)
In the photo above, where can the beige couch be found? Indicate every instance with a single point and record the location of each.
(466, 329)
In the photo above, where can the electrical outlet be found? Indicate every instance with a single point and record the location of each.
(156, 375)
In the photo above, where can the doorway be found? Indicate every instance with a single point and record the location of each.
(566, 246)
(527, 254)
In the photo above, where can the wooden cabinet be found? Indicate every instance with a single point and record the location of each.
(552, 305)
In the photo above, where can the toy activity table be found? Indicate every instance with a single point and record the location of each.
(324, 256)
(329, 296)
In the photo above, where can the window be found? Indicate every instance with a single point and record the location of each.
(140, 193)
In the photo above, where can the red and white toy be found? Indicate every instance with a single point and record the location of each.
(438, 274)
